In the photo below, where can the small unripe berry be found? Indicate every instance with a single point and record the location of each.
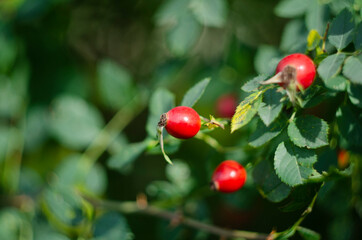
(181, 122)
(296, 67)
(228, 177)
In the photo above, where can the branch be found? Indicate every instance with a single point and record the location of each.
(174, 217)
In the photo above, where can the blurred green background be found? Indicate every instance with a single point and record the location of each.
(79, 87)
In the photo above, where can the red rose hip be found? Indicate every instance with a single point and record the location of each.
(181, 122)
(228, 177)
(226, 105)
(297, 67)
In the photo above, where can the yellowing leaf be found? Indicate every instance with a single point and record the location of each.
(246, 110)
(313, 39)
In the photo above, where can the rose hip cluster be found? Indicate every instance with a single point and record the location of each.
(183, 123)
(294, 73)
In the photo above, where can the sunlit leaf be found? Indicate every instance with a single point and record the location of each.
(331, 66)
(246, 110)
(308, 131)
(271, 106)
(353, 69)
(291, 8)
(341, 30)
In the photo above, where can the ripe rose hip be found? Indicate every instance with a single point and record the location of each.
(226, 105)
(181, 122)
(228, 177)
(296, 67)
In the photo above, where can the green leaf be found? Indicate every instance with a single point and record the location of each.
(331, 66)
(180, 175)
(292, 164)
(63, 206)
(353, 69)
(5, 134)
(294, 37)
(308, 234)
(338, 83)
(182, 37)
(308, 131)
(74, 122)
(338, 5)
(111, 226)
(271, 106)
(266, 60)
(358, 37)
(355, 94)
(161, 102)
(316, 94)
(268, 182)
(171, 11)
(212, 13)
(14, 225)
(195, 93)
(313, 39)
(263, 134)
(9, 51)
(253, 84)
(126, 156)
(114, 84)
(246, 110)
(36, 130)
(291, 8)
(74, 171)
(316, 16)
(341, 32)
(349, 125)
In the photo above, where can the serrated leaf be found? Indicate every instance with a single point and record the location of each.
(291, 8)
(316, 16)
(293, 164)
(263, 134)
(270, 185)
(126, 155)
(182, 36)
(253, 84)
(271, 106)
(331, 66)
(353, 69)
(308, 131)
(355, 94)
(338, 83)
(110, 226)
(246, 110)
(349, 125)
(195, 93)
(161, 102)
(358, 37)
(313, 39)
(341, 31)
(210, 13)
(315, 95)
(308, 234)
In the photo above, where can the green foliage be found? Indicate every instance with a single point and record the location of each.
(308, 131)
(82, 89)
(111, 225)
(194, 94)
(294, 165)
(341, 32)
(74, 122)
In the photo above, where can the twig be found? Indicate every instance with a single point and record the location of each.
(132, 207)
